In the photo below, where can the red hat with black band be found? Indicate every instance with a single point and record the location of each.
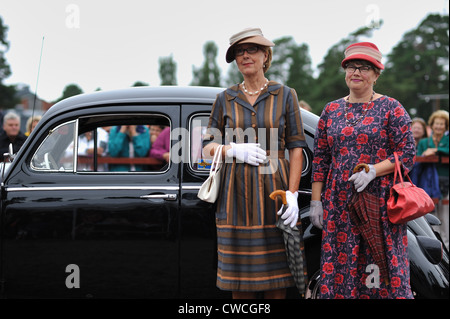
(363, 51)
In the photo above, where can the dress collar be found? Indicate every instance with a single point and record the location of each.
(234, 93)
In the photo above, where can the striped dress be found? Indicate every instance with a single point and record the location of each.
(251, 253)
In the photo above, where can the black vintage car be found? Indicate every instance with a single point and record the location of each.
(78, 222)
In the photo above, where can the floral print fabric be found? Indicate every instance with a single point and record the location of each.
(346, 263)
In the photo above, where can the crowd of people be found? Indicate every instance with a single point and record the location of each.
(127, 141)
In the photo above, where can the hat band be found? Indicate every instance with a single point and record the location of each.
(363, 50)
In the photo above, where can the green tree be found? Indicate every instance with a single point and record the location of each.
(7, 92)
(209, 73)
(418, 66)
(300, 72)
(167, 70)
(291, 65)
(281, 59)
(234, 76)
(139, 83)
(70, 90)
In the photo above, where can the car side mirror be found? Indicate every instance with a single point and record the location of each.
(10, 155)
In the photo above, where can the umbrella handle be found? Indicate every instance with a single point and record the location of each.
(360, 167)
(281, 193)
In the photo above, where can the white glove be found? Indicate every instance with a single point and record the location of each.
(316, 213)
(290, 216)
(362, 179)
(250, 153)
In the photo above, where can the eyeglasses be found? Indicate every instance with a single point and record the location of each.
(362, 69)
(250, 50)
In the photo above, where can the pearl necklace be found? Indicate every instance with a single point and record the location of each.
(363, 114)
(256, 92)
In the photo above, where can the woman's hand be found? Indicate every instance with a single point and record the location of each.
(429, 152)
(316, 213)
(290, 216)
(249, 153)
(362, 179)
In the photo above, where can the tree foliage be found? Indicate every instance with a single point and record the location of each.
(418, 67)
(209, 73)
(139, 83)
(7, 92)
(167, 70)
(291, 64)
(70, 90)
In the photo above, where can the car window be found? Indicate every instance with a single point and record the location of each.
(55, 153)
(198, 125)
(116, 144)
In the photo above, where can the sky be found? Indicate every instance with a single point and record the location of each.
(110, 44)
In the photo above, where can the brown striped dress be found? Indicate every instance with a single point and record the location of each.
(251, 253)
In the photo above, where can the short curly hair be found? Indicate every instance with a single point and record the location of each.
(441, 114)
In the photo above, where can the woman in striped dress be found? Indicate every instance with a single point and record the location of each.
(256, 121)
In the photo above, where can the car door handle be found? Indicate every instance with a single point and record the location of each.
(160, 196)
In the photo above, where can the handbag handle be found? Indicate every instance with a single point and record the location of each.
(215, 162)
(398, 171)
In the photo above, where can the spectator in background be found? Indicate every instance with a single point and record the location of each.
(161, 148)
(419, 129)
(31, 124)
(86, 148)
(155, 130)
(1, 120)
(128, 141)
(305, 105)
(423, 175)
(11, 134)
(438, 143)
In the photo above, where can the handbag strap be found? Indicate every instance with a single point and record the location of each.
(216, 160)
(397, 170)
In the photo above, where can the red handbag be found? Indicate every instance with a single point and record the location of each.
(407, 201)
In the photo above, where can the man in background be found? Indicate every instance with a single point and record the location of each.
(11, 134)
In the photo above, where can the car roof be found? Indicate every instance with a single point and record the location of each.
(137, 95)
(157, 94)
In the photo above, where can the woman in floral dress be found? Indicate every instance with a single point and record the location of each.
(363, 127)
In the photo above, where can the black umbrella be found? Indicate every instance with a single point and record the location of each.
(294, 247)
(364, 211)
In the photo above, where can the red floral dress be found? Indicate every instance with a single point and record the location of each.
(346, 263)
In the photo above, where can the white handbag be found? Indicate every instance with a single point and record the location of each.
(210, 188)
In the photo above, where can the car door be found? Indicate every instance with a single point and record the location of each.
(198, 243)
(81, 222)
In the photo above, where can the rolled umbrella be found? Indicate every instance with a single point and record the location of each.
(364, 211)
(294, 247)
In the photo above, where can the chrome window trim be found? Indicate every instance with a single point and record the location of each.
(35, 169)
(191, 119)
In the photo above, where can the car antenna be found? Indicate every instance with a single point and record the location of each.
(37, 80)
